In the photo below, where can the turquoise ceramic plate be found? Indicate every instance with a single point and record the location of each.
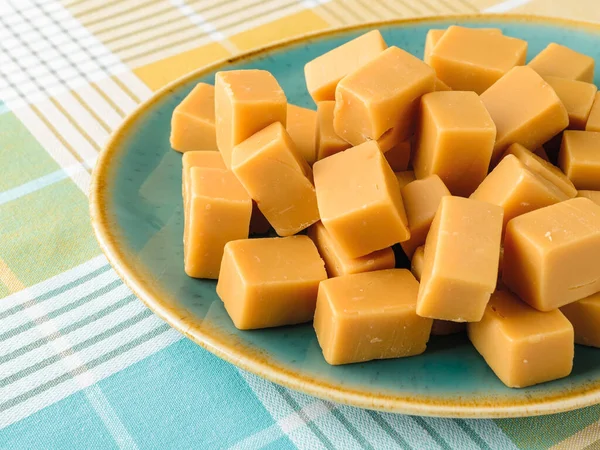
(137, 213)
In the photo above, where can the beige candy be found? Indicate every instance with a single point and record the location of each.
(367, 316)
(193, 121)
(579, 158)
(560, 61)
(521, 345)
(270, 282)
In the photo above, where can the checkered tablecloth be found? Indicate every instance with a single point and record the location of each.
(83, 364)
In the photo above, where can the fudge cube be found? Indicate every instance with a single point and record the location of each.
(324, 72)
(217, 210)
(521, 345)
(550, 254)
(525, 109)
(371, 315)
(584, 315)
(270, 282)
(193, 121)
(542, 168)
(381, 95)
(277, 178)
(338, 263)
(592, 195)
(560, 61)
(461, 260)
(327, 142)
(455, 140)
(421, 201)
(516, 189)
(434, 36)
(302, 126)
(359, 200)
(246, 101)
(577, 96)
(469, 59)
(579, 158)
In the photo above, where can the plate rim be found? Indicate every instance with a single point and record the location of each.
(252, 360)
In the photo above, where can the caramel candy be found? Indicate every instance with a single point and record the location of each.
(579, 158)
(584, 315)
(560, 61)
(542, 168)
(398, 157)
(549, 254)
(525, 109)
(246, 101)
(593, 122)
(421, 200)
(327, 142)
(193, 121)
(302, 127)
(405, 177)
(461, 260)
(324, 72)
(517, 189)
(207, 159)
(367, 316)
(217, 210)
(434, 36)
(338, 263)
(592, 195)
(270, 282)
(359, 200)
(455, 140)
(521, 345)
(439, 327)
(469, 59)
(577, 96)
(277, 178)
(381, 95)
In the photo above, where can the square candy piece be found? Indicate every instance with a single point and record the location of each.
(217, 210)
(434, 36)
(579, 158)
(578, 98)
(455, 140)
(270, 282)
(550, 255)
(593, 122)
(517, 189)
(277, 178)
(521, 345)
(469, 59)
(381, 95)
(327, 142)
(207, 159)
(324, 72)
(421, 201)
(525, 109)
(461, 260)
(584, 315)
(367, 316)
(193, 121)
(246, 101)
(359, 200)
(560, 61)
(542, 168)
(338, 263)
(302, 126)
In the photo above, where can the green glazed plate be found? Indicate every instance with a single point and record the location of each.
(137, 213)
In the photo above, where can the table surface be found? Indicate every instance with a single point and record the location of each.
(83, 364)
